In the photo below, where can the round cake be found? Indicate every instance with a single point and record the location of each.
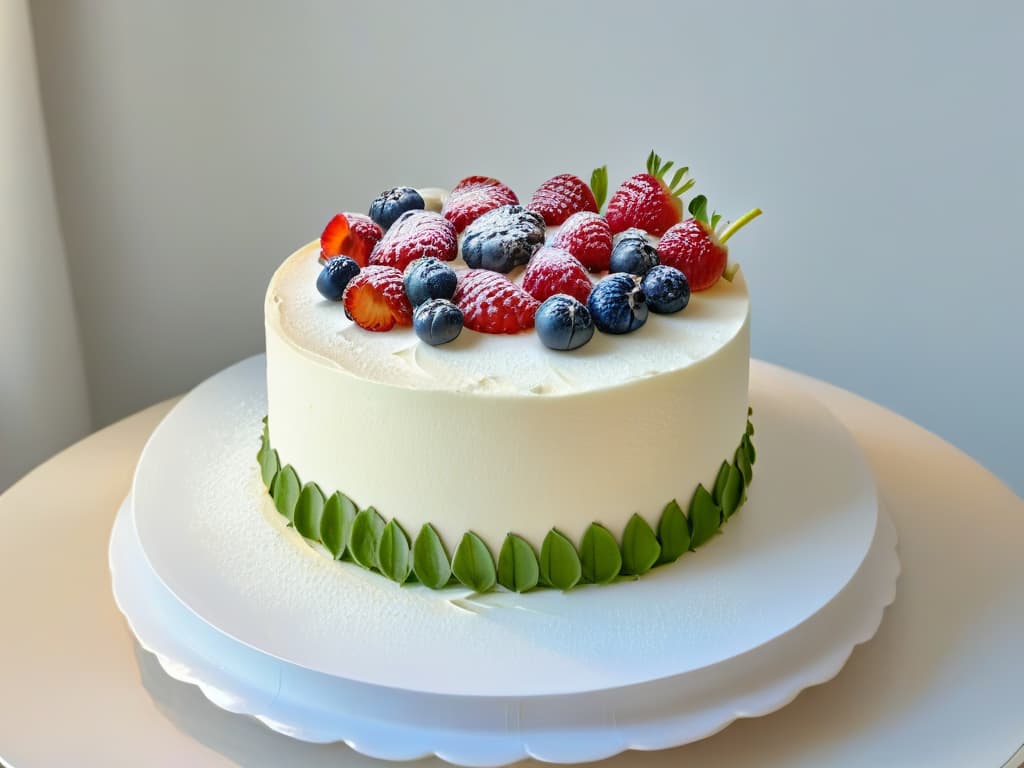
(496, 434)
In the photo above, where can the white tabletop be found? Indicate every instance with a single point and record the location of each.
(938, 686)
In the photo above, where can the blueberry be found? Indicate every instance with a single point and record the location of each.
(389, 205)
(618, 304)
(335, 276)
(633, 253)
(666, 289)
(502, 239)
(437, 321)
(429, 278)
(563, 322)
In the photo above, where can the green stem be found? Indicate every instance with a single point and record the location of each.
(737, 225)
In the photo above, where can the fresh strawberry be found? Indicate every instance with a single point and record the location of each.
(349, 234)
(695, 249)
(647, 201)
(473, 196)
(551, 271)
(416, 234)
(560, 197)
(588, 237)
(375, 299)
(492, 303)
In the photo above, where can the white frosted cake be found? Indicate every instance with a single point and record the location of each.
(540, 433)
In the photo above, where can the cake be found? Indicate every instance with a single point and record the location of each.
(475, 428)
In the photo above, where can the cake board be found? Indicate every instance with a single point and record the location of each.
(329, 691)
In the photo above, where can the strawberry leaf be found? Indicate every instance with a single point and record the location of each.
(664, 169)
(699, 209)
(652, 163)
(599, 185)
(715, 218)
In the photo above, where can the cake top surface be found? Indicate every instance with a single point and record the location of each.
(510, 365)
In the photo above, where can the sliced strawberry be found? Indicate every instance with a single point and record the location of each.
(416, 234)
(647, 201)
(349, 234)
(473, 196)
(551, 271)
(560, 197)
(588, 237)
(375, 299)
(491, 303)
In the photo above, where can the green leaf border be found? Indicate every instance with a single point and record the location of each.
(366, 537)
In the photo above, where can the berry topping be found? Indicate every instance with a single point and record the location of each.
(633, 253)
(560, 197)
(429, 278)
(492, 303)
(564, 323)
(335, 275)
(375, 300)
(588, 237)
(551, 271)
(694, 248)
(617, 304)
(647, 201)
(389, 205)
(666, 289)
(437, 321)
(503, 238)
(473, 196)
(415, 235)
(349, 234)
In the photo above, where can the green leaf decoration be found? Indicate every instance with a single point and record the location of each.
(750, 429)
(720, 481)
(367, 527)
(336, 523)
(518, 569)
(699, 208)
(750, 410)
(673, 533)
(599, 185)
(705, 517)
(677, 190)
(286, 492)
(748, 449)
(559, 561)
(473, 564)
(600, 558)
(394, 556)
(640, 548)
(743, 464)
(733, 491)
(270, 465)
(653, 163)
(429, 558)
(309, 509)
(715, 218)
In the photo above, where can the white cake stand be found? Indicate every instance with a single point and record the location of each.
(212, 583)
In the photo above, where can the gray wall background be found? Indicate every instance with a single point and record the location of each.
(196, 144)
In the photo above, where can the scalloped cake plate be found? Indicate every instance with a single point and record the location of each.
(230, 599)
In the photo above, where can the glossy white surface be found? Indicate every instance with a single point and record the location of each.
(938, 686)
(213, 538)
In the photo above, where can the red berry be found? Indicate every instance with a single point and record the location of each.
(588, 237)
(647, 201)
(692, 248)
(560, 197)
(491, 303)
(551, 271)
(375, 299)
(416, 234)
(473, 196)
(349, 234)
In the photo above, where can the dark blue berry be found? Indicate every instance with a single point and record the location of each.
(666, 289)
(335, 276)
(633, 253)
(502, 239)
(389, 205)
(618, 304)
(563, 322)
(437, 321)
(429, 278)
